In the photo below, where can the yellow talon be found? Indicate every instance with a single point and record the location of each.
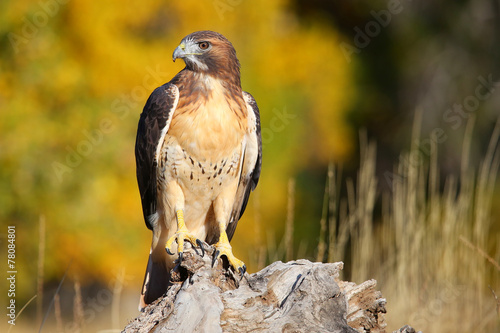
(222, 247)
(181, 234)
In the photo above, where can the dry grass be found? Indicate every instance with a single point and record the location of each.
(40, 272)
(57, 313)
(289, 219)
(115, 304)
(428, 250)
(78, 311)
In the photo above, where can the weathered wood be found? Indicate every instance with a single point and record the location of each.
(298, 296)
(366, 310)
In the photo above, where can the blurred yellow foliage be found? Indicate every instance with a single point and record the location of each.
(74, 78)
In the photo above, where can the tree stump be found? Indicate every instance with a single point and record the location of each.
(297, 296)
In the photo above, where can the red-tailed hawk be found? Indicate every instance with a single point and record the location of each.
(198, 155)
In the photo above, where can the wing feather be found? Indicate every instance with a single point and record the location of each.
(252, 163)
(153, 125)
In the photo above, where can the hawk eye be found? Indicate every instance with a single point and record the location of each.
(203, 45)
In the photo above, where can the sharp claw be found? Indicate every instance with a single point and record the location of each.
(180, 237)
(200, 244)
(180, 257)
(242, 271)
(216, 255)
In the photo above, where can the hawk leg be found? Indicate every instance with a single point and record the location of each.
(182, 234)
(222, 247)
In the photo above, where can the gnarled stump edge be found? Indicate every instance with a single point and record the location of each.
(297, 296)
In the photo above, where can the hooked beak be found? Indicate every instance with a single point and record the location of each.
(179, 52)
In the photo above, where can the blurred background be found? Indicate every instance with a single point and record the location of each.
(380, 149)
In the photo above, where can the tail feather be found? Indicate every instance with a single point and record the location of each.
(156, 282)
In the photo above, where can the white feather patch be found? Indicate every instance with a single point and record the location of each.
(167, 125)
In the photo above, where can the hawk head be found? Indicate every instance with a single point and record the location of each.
(208, 52)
